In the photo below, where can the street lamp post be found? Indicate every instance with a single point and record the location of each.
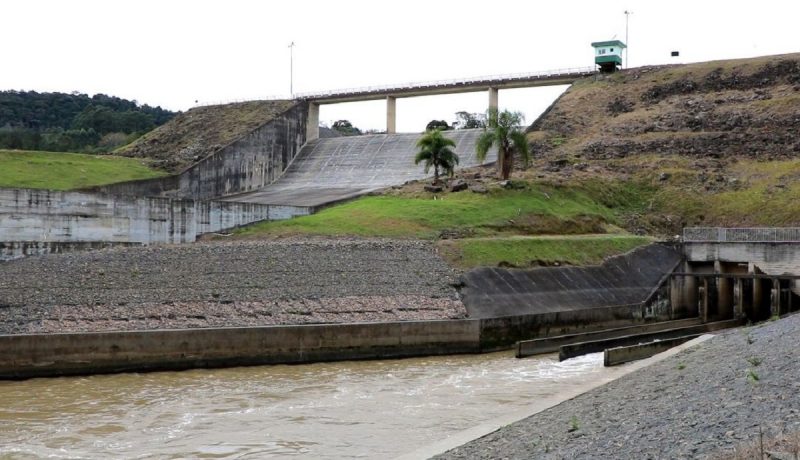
(627, 45)
(291, 69)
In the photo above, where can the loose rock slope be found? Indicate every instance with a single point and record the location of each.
(227, 284)
(710, 400)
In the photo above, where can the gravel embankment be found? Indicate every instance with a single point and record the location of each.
(227, 284)
(705, 401)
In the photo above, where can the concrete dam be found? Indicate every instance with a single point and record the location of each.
(262, 176)
(333, 169)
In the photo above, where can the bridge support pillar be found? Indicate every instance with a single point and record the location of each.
(312, 122)
(391, 114)
(493, 97)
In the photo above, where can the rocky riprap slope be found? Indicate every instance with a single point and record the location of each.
(708, 400)
(227, 284)
(201, 131)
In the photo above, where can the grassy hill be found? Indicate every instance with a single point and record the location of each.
(65, 171)
(713, 143)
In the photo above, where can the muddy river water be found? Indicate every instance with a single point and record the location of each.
(367, 409)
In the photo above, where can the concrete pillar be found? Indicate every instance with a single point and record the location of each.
(493, 97)
(391, 114)
(724, 293)
(691, 290)
(704, 301)
(312, 122)
(738, 296)
(775, 298)
(758, 306)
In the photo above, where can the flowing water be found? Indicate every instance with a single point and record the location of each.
(366, 409)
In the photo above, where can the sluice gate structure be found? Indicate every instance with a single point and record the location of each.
(732, 273)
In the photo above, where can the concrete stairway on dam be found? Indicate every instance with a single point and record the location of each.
(333, 169)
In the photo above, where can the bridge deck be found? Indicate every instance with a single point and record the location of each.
(524, 80)
(333, 169)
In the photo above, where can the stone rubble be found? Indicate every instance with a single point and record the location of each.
(228, 284)
(705, 401)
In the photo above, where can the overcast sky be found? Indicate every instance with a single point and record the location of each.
(172, 52)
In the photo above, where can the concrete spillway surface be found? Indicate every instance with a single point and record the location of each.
(333, 169)
(622, 280)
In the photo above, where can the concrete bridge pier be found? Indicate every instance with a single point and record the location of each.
(312, 122)
(493, 98)
(391, 115)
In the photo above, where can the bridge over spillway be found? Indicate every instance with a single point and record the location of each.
(391, 93)
(333, 169)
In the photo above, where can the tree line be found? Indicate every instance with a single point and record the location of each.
(73, 122)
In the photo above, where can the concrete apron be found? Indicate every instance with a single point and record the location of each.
(541, 405)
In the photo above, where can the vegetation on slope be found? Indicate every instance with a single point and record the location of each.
(502, 212)
(703, 144)
(65, 171)
(193, 135)
(477, 229)
(73, 122)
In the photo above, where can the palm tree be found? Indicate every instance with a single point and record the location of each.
(503, 131)
(435, 150)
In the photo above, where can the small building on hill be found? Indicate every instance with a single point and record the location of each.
(608, 55)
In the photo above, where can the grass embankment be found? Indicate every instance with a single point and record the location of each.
(506, 212)
(497, 228)
(676, 191)
(66, 171)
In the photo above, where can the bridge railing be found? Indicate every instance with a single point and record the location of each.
(453, 82)
(413, 85)
(742, 235)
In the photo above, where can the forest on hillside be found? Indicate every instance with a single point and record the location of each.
(75, 122)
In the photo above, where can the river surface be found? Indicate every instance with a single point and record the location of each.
(366, 409)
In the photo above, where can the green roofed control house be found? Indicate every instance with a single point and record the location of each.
(608, 55)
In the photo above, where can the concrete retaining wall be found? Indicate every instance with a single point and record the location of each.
(18, 249)
(501, 333)
(622, 355)
(632, 278)
(25, 356)
(42, 221)
(783, 255)
(247, 164)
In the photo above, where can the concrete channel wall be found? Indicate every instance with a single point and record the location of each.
(247, 164)
(25, 356)
(43, 221)
(41, 355)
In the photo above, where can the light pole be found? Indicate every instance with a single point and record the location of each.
(291, 69)
(627, 16)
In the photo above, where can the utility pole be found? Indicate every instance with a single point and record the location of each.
(291, 69)
(627, 16)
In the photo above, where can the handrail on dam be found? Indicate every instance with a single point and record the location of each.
(741, 235)
(486, 79)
